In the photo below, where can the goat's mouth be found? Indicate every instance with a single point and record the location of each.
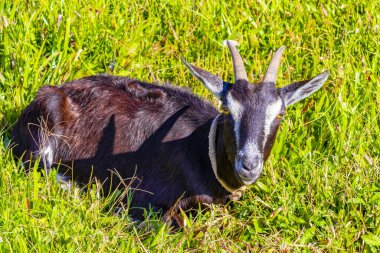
(248, 176)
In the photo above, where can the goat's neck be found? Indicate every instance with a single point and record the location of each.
(222, 156)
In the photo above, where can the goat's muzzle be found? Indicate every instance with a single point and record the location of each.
(249, 169)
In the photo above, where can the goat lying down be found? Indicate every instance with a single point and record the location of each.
(175, 149)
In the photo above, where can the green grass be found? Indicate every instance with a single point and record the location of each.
(320, 190)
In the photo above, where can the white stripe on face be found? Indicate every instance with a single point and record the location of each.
(236, 110)
(271, 112)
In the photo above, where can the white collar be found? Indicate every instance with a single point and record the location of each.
(212, 153)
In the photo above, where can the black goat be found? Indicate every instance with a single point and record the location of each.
(177, 149)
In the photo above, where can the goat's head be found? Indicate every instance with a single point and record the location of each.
(253, 112)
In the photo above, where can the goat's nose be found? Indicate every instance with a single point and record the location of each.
(252, 164)
(249, 169)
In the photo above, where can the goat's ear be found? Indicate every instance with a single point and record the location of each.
(212, 82)
(297, 91)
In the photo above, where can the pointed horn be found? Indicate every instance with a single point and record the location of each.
(274, 64)
(239, 70)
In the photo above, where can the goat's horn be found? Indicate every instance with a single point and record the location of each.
(239, 70)
(274, 64)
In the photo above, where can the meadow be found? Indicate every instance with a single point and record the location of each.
(320, 189)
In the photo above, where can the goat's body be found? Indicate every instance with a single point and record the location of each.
(154, 137)
(172, 148)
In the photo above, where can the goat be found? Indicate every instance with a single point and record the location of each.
(178, 150)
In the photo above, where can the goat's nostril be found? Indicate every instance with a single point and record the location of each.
(245, 167)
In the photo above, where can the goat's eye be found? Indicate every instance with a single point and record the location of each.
(223, 109)
(281, 115)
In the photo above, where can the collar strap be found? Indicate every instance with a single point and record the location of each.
(212, 153)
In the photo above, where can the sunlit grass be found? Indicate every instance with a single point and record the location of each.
(320, 190)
